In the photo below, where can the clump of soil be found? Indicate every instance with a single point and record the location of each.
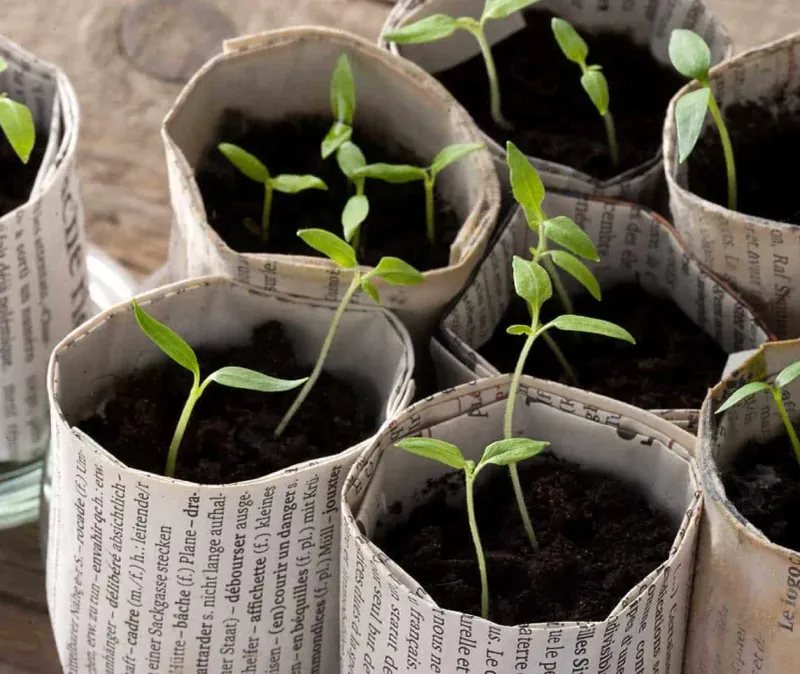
(18, 178)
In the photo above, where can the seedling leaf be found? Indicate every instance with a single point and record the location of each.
(745, 392)
(3, 64)
(343, 91)
(787, 375)
(337, 135)
(329, 244)
(525, 184)
(371, 290)
(350, 158)
(438, 450)
(518, 329)
(242, 377)
(355, 212)
(573, 323)
(393, 270)
(292, 184)
(172, 344)
(431, 28)
(566, 233)
(579, 271)
(247, 164)
(390, 173)
(500, 9)
(452, 153)
(690, 115)
(511, 450)
(531, 282)
(572, 44)
(594, 83)
(689, 54)
(17, 124)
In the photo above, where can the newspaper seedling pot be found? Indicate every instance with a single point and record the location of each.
(645, 22)
(43, 285)
(744, 615)
(637, 247)
(754, 253)
(390, 623)
(150, 573)
(281, 74)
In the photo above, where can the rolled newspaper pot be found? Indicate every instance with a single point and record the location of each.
(389, 620)
(745, 590)
(755, 254)
(150, 573)
(646, 22)
(44, 291)
(635, 246)
(287, 72)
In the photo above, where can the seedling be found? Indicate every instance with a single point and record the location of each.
(508, 452)
(439, 26)
(235, 377)
(391, 269)
(17, 124)
(592, 79)
(692, 58)
(784, 378)
(285, 183)
(405, 173)
(356, 210)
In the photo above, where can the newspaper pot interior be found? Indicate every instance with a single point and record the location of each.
(43, 286)
(753, 253)
(745, 591)
(389, 621)
(202, 577)
(284, 74)
(648, 24)
(636, 247)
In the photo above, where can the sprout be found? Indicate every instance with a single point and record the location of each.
(17, 124)
(235, 377)
(692, 58)
(592, 79)
(286, 183)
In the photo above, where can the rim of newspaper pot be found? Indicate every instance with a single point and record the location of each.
(471, 185)
(108, 523)
(744, 583)
(651, 21)
(377, 481)
(44, 281)
(637, 246)
(741, 248)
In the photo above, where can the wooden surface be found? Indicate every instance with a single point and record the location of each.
(124, 180)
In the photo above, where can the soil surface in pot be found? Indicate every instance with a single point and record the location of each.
(553, 117)
(395, 225)
(766, 145)
(598, 538)
(672, 364)
(18, 178)
(230, 436)
(764, 484)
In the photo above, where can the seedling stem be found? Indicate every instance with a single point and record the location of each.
(727, 150)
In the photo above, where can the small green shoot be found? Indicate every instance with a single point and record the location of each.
(356, 210)
(691, 57)
(343, 107)
(508, 452)
(784, 378)
(286, 183)
(592, 79)
(391, 269)
(17, 124)
(439, 26)
(405, 173)
(235, 377)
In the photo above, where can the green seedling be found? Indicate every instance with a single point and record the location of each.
(508, 452)
(784, 378)
(534, 285)
(234, 377)
(592, 79)
(439, 26)
(692, 58)
(350, 160)
(405, 173)
(286, 183)
(391, 269)
(17, 124)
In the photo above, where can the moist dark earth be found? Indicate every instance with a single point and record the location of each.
(672, 365)
(395, 225)
(552, 115)
(230, 436)
(18, 178)
(598, 538)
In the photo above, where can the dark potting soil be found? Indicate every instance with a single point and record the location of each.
(764, 484)
(395, 225)
(598, 537)
(230, 435)
(672, 365)
(18, 178)
(766, 144)
(553, 117)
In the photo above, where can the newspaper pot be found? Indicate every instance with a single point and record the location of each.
(647, 22)
(278, 74)
(635, 246)
(755, 254)
(43, 285)
(146, 572)
(644, 632)
(745, 591)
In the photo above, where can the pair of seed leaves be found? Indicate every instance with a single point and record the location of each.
(17, 124)
(783, 379)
